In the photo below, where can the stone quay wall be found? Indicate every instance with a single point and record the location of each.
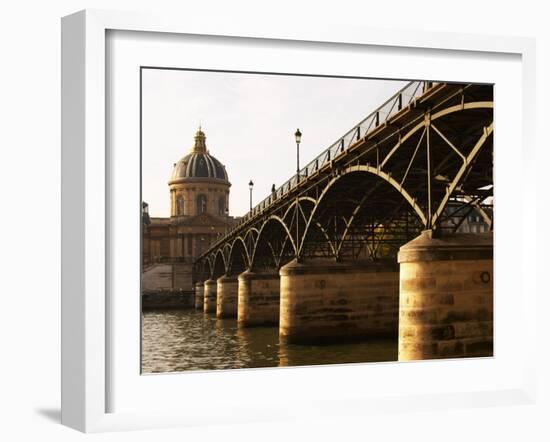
(167, 299)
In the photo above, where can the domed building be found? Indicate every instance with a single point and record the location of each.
(199, 214)
(199, 183)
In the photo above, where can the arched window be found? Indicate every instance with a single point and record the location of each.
(179, 205)
(221, 206)
(201, 204)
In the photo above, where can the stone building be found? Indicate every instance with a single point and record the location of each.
(464, 218)
(199, 214)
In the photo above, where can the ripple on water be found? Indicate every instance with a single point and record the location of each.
(181, 340)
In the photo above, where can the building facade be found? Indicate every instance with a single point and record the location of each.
(468, 218)
(199, 213)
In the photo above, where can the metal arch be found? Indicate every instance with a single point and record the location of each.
(276, 258)
(226, 249)
(397, 186)
(298, 243)
(297, 201)
(466, 106)
(373, 171)
(424, 124)
(209, 268)
(224, 261)
(249, 239)
(325, 234)
(488, 220)
(204, 270)
(289, 236)
(250, 232)
(240, 238)
(473, 205)
(349, 223)
(283, 248)
(210, 258)
(274, 255)
(448, 110)
(247, 256)
(487, 131)
(208, 261)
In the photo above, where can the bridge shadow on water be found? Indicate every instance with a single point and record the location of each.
(182, 340)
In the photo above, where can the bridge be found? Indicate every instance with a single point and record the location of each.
(368, 238)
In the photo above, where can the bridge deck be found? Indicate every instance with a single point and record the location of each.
(426, 142)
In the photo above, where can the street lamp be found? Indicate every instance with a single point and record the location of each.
(226, 219)
(251, 186)
(298, 136)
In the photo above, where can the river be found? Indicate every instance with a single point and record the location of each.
(181, 340)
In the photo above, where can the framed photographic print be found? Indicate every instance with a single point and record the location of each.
(298, 222)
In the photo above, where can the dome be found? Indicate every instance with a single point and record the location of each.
(198, 164)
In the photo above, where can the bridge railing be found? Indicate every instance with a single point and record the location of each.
(378, 117)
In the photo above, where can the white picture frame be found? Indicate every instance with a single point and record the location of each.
(86, 315)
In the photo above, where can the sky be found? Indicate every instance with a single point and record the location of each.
(249, 121)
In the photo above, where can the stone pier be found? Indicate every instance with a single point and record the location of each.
(326, 301)
(226, 306)
(446, 296)
(210, 289)
(259, 297)
(199, 295)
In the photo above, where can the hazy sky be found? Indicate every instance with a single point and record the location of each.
(249, 121)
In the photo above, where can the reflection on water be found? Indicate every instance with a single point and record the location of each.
(189, 340)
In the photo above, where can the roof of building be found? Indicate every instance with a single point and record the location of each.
(198, 164)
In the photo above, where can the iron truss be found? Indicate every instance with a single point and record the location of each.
(421, 161)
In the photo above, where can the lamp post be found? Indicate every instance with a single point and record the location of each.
(250, 186)
(298, 137)
(226, 220)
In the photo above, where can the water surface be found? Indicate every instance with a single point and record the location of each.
(178, 340)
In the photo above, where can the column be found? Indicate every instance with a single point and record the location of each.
(259, 298)
(226, 306)
(199, 296)
(210, 289)
(324, 301)
(446, 296)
